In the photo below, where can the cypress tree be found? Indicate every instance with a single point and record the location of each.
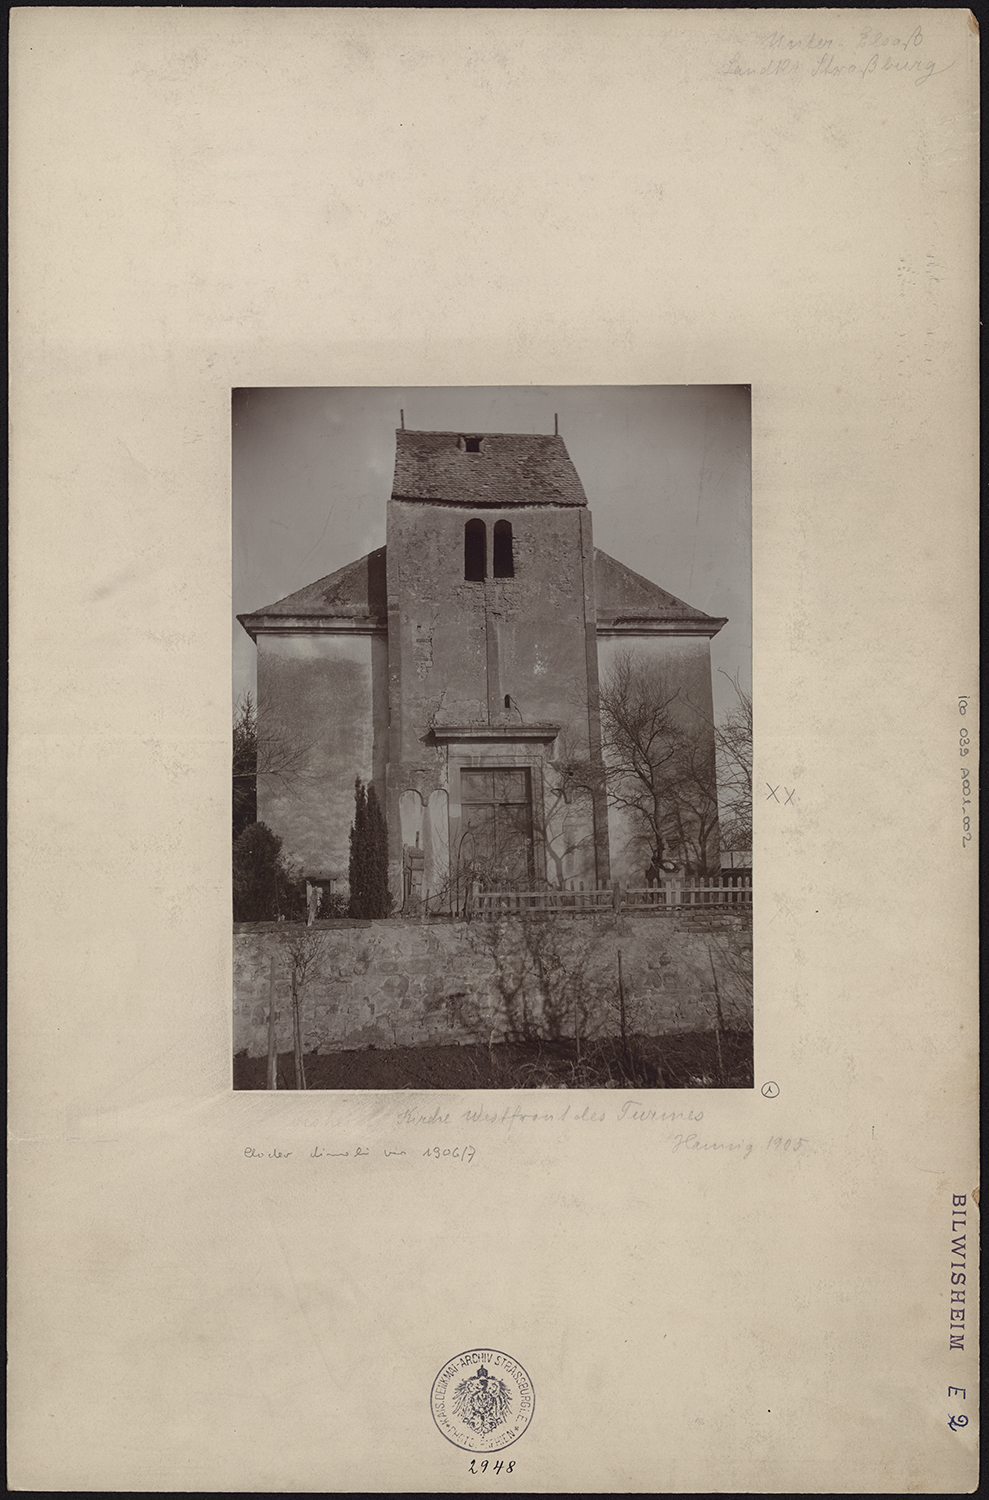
(369, 895)
(358, 854)
(379, 901)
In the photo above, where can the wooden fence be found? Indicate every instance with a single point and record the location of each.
(670, 896)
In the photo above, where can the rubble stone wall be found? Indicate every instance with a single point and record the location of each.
(402, 983)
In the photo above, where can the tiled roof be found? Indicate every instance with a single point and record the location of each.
(511, 468)
(356, 592)
(625, 599)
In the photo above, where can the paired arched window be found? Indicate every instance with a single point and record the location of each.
(476, 551)
(504, 557)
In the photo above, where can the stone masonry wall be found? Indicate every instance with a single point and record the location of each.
(402, 983)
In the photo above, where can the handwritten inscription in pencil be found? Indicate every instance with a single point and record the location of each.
(683, 1137)
(462, 1154)
(856, 55)
(690, 1141)
(776, 1143)
(513, 1115)
(316, 1154)
(964, 749)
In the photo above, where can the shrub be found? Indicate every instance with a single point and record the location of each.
(264, 888)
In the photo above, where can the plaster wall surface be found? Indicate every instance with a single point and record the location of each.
(322, 722)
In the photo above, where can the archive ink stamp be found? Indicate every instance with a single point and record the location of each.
(482, 1400)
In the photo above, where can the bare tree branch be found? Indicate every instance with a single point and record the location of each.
(733, 738)
(263, 750)
(659, 767)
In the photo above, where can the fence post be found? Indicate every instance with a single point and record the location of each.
(616, 898)
(272, 1043)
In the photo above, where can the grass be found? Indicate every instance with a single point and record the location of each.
(681, 1060)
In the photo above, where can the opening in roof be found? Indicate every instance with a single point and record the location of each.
(472, 444)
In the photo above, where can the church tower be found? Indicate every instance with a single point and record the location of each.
(492, 666)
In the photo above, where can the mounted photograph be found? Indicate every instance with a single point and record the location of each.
(492, 738)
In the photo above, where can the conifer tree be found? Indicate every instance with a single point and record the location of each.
(369, 895)
(379, 901)
(358, 853)
(264, 886)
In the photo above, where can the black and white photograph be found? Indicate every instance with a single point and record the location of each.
(492, 738)
(494, 750)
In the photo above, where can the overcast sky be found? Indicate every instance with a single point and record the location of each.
(666, 471)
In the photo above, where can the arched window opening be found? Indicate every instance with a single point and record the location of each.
(504, 558)
(475, 551)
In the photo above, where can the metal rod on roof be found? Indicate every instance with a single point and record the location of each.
(556, 424)
(401, 413)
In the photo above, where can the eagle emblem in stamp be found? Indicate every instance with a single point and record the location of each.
(482, 1400)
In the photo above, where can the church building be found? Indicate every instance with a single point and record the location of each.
(459, 669)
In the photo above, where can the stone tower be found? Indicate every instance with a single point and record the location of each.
(492, 660)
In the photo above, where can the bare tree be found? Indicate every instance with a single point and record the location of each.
(306, 951)
(658, 764)
(245, 765)
(684, 799)
(733, 738)
(262, 750)
(546, 972)
(567, 829)
(506, 862)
